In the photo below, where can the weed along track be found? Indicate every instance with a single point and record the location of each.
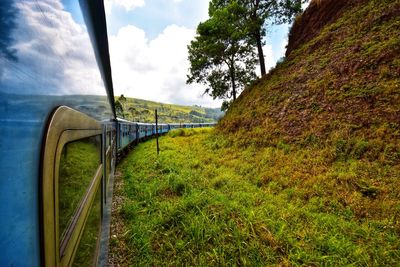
(206, 201)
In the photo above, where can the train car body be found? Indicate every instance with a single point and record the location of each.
(172, 126)
(142, 128)
(163, 128)
(56, 115)
(127, 132)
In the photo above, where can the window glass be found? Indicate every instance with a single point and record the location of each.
(87, 249)
(78, 164)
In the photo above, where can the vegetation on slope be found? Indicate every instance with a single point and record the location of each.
(338, 94)
(134, 109)
(333, 108)
(343, 83)
(206, 202)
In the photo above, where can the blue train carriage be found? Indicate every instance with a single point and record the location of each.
(57, 134)
(127, 133)
(172, 126)
(142, 129)
(162, 128)
(149, 129)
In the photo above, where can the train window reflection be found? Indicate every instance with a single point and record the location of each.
(88, 246)
(78, 164)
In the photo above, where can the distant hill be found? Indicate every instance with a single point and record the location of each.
(144, 111)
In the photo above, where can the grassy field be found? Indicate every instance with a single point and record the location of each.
(207, 201)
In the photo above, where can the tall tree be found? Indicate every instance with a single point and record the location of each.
(133, 112)
(220, 56)
(258, 15)
(119, 109)
(123, 100)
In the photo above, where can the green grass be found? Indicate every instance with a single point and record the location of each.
(207, 201)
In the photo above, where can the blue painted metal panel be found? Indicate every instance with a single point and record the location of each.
(46, 60)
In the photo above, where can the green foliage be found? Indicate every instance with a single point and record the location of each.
(122, 99)
(205, 201)
(257, 15)
(119, 109)
(225, 105)
(220, 57)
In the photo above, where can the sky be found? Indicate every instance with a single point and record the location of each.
(49, 50)
(148, 48)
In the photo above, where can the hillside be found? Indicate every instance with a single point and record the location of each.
(344, 82)
(143, 110)
(333, 108)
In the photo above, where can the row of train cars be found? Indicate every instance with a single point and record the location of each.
(59, 133)
(131, 132)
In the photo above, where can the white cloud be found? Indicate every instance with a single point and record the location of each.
(155, 69)
(51, 35)
(108, 6)
(128, 5)
(283, 47)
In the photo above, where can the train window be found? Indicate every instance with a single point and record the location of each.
(86, 254)
(78, 164)
(71, 179)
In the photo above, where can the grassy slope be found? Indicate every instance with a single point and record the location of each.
(333, 107)
(204, 202)
(168, 113)
(343, 84)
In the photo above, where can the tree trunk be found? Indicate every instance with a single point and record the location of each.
(233, 89)
(257, 36)
(233, 81)
(231, 66)
(260, 53)
(233, 86)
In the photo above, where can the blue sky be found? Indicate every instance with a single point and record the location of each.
(148, 40)
(156, 15)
